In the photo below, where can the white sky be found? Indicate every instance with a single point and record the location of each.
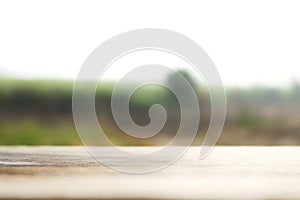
(250, 42)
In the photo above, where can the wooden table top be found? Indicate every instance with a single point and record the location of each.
(43, 172)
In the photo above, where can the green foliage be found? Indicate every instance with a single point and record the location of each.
(39, 112)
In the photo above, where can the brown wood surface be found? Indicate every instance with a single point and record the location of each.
(227, 173)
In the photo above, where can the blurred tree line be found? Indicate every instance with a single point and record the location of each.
(40, 112)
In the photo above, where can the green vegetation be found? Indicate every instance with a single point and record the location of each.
(39, 112)
(32, 132)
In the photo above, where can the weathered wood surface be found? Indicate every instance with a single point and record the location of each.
(228, 173)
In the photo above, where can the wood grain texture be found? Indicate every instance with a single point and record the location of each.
(227, 173)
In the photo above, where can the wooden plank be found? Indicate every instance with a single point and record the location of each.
(228, 173)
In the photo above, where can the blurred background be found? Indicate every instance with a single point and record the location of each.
(43, 45)
(39, 112)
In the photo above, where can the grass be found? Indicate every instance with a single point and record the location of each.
(32, 132)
